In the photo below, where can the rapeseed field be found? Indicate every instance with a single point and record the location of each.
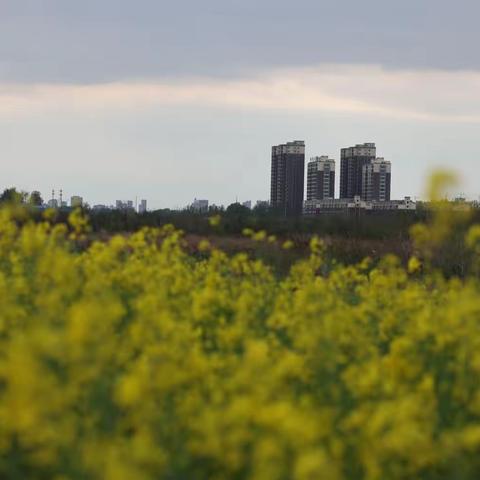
(130, 359)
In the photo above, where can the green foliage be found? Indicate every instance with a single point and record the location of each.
(35, 198)
(11, 195)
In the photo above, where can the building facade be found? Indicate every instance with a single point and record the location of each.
(288, 177)
(76, 201)
(355, 205)
(352, 161)
(320, 178)
(376, 181)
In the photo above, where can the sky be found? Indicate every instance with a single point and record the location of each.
(171, 101)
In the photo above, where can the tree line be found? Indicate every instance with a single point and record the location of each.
(234, 219)
(12, 195)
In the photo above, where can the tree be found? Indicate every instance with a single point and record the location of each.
(236, 218)
(10, 195)
(236, 209)
(216, 209)
(262, 210)
(36, 198)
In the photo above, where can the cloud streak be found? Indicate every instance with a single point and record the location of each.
(420, 95)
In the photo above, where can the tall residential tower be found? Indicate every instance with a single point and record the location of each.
(288, 177)
(352, 161)
(376, 180)
(320, 178)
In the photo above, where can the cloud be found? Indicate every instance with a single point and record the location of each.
(430, 95)
(91, 41)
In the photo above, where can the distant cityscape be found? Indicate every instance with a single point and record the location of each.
(77, 201)
(365, 184)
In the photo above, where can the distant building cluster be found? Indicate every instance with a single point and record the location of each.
(204, 206)
(77, 201)
(129, 205)
(364, 185)
(364, 175)
(365, 181)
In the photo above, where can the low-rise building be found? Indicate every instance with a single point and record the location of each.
(319, 207)
(76, 201)
(200, 206)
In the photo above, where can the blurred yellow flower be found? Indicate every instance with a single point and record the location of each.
(131, 359)
(215, 220)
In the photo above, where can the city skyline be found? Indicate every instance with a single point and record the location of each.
(108, 100)
(334, 182)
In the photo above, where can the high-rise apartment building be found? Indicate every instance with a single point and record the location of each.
(320, 178)
(288, 177)
(376, 180)
(352, 161)
(142, 208)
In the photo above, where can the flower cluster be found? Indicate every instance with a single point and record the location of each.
(131, 359)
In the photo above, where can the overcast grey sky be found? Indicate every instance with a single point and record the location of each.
(174, 100)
